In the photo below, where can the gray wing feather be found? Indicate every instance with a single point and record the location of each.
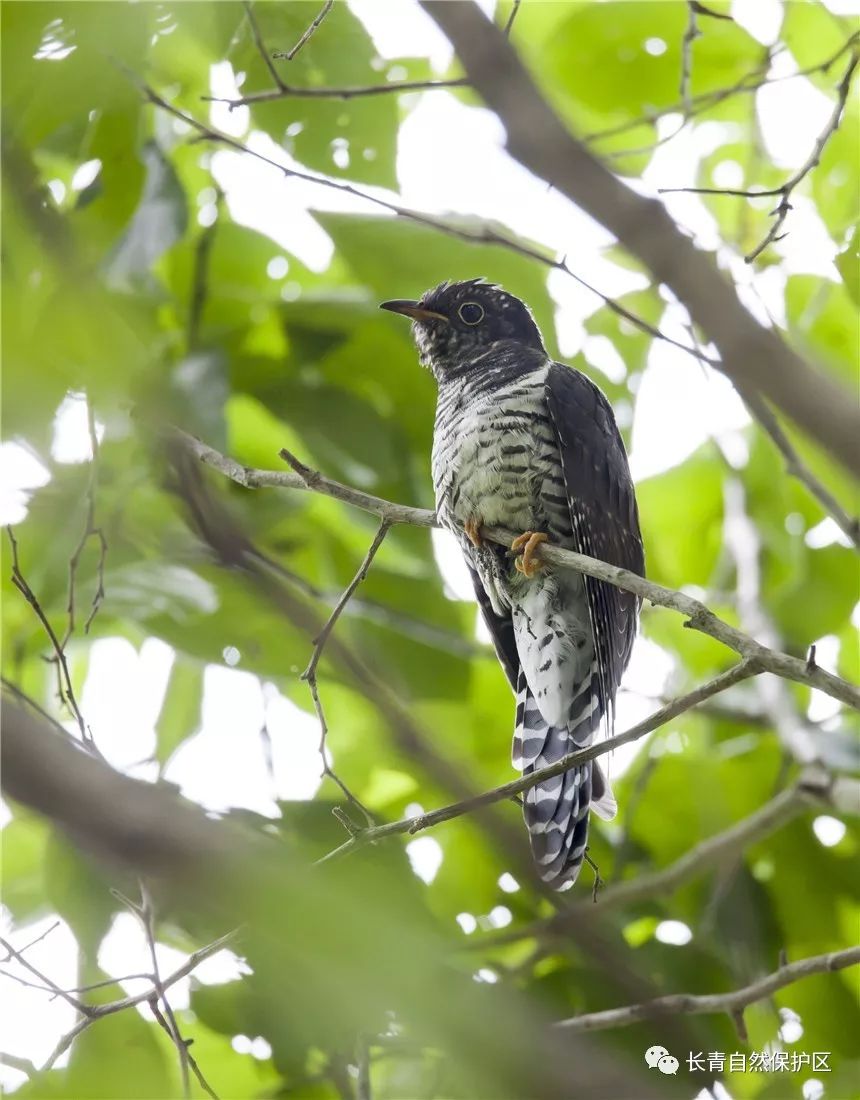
(603, 512)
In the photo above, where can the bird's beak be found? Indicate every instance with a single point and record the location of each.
(412, 309)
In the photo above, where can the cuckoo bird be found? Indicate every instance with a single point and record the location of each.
(529, 444)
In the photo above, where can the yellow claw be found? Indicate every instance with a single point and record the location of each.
(528, 542)
(472, 527)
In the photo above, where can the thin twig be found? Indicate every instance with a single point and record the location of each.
(691, 33)
(67, 692)
(515, 7)
(699, 616)
(813, 790)
(691, 1004)
(798, 468)
(310, 673)
(261, 46)
(165, 1025)
(146, 914)
(42, 935)
(91, 1013)
(22, 1065)
(287, 91)
(483, 234)
(704, 101)
(309, 33)
(411, 825)
(784, 207)
(319, 642)
(13, 953)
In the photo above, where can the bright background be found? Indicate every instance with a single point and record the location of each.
(254, 742)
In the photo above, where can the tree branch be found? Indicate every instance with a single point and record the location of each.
(310, 673)
(691, 1004)
(699, 617)
(484, 234)
(97, 1012)
(749, 352)
(67, 691)
(411, 825)
(691, 33)
(749, 83)
(261, 48)
(849, 525)
(223, 871)
(814, 789)
(781, 211)
(309, 33)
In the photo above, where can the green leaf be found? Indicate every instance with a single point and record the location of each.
(396, 258)
(159, 221)
(836, 180)
(121, 1056)
(24, 841)
(822, 316)
(622, 59)
(683, 549)
(180, 712)
(79, 893)
(339, 54)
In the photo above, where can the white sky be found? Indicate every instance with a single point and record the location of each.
(678, 406)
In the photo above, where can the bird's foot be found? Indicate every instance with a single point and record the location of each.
(528, 542)
(472, 527)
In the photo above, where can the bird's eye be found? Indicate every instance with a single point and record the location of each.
(471, 313)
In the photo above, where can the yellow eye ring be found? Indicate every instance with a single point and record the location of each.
(471, 313)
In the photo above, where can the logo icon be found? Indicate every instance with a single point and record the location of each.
(660, 1058)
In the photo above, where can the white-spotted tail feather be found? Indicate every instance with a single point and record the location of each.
(556, 810)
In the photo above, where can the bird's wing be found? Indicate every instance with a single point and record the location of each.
(603, 512)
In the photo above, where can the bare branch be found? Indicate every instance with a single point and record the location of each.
(47, 983)
(91, 1013)
(146, 914)
(261, 47)
(795, 466)
(310, 673)
(67, 692)
(691, 1004)
(318, 483)
(287, 91)
(515, 7)
(783, 208)
(484, 234)
(814, 789)
(411, 825)
(309, 33)
(699, 617)
(537, 138)
(748, 84)
(690, 35)
(22, 1065)
(42, 935)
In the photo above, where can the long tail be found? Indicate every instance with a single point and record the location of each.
(556, 810)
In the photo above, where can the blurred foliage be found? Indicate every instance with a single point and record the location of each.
(129, 288)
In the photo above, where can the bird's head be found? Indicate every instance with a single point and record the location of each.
(454, 323)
